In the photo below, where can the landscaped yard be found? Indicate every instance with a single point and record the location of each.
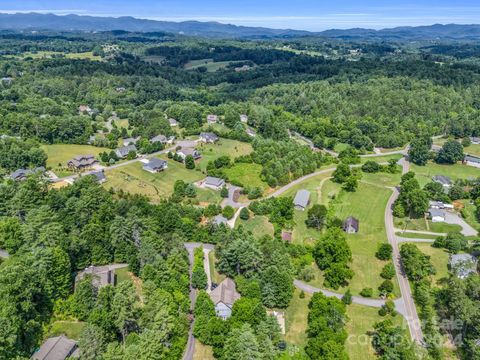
(361, 322)
(133, 179)
(469, 214)
(202, 352)
(296, 319)
(124, 275)
(232, 148)
(71, 329)
(381, 159)
(421, 224)
(61, 153)
(438, 257)
(382, 178)
(214, 274)
(457, 171)
(258, 225)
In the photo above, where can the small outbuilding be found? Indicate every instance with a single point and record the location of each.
(244, 118)
(301, 200)
(286, 235)
(155, 165)
(130, 141)
(351, 225)
(219, 220)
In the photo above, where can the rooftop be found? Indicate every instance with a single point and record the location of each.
(301, 198)
(55, 348)
(441, 179)
(225, 293)
(214, 181)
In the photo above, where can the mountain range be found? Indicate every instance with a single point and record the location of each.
(36, 21)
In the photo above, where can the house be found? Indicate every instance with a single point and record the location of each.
(173, 122)
(445, 181)
(475, 140)
(242, 68)
(437, 215)
(351, 225)
(463, 265)
(224, 296)
(129, 141)
(472, 161)
(162, 139)
(7, 80)
(120, 89)
(251, 132)
(100, 176)
(184, 152)
(286, 235)
(208, 137)
(219, 219)
(155, 165)
(123, 151)
(439, 205)
(212, 119)
(302, 199)
(82, 162)
(57, 348)
(244, 118)
(22, 174)
(85, 109)
(213, 182)
(101, 275)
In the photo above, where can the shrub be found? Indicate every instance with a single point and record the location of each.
(228, 212)
(366, 292)
(384, 252)
(386, 287)
(388, 272)
(244, 214)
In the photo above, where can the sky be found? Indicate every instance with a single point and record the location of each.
(313, 15)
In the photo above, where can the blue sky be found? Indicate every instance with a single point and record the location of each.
(296, 14)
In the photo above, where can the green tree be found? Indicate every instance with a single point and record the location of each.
(124, 308)
(244, 214)
(388, 271)
(92, 342)
(189, 162)
(242, 344)
(224, 192)
(451, 152)
(384, 252)
(419, 151)
(342, 173)
(228, 212)
(316, 216)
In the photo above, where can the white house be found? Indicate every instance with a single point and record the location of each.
(212, 119)
(244, 118)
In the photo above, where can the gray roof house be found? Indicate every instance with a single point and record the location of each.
(351, 225)
(445, 181)
(472, 160)
(159, 138)
(219, 219)
(213, 182)
(100, 176)
(463, 265)
(224, 296)
(56, 348)
(184, 152)
(244, 118)
(129, 141)
(123, 151)
(172, 122)
(251, 132)
(101, 275)
(155, 165)
(302, 199)
(22, 174)
(208, 137)
(81, 162)
(475, 140)
(436, 215)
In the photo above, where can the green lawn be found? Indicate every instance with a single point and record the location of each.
(247, 175)
(457, 171)
(360, 323)
(472, 150)
(368, 205)
(49, 54)
(133, 179)
(382, 179)
(202, 352)
(215, 275)
(422, 224)
(61, 153)
(71, 329)
(296, 319)
(232, 148)
(415, 236)
(381, 159)
(469, 214)
(258, 225)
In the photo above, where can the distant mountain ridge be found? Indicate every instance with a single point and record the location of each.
(36, 21)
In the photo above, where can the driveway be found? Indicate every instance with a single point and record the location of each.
(454, 218)
(229, 201)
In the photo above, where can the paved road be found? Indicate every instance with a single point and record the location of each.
(420, 232)
(410, 311)
(229, 200)
(190, 348)
(233, 220)
(416, 240)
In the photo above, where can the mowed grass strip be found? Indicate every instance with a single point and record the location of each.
(456, 171)
(231, 148)
(296, 319)
(258, 225)
(247, 175)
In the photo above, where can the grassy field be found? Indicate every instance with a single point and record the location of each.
(61, 153)
(49, 54)
(439, 259)
(361, 322)
(215, 275)
(247, 175)
(202, 352)
(367, 204)
(258, 225)
(70, 329)
(211, 65)
(133, 179)
(232, 148)
(296, 319)
(457, 171)
(382, 179)
(472, 150)
(122, 123)
(415, 236)
(381, 159)
(422, 224)
(469, 213)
